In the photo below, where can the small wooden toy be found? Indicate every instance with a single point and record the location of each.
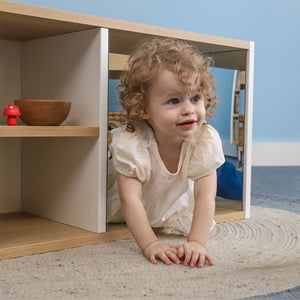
(12, 111)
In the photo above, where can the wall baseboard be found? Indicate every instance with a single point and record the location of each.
(276, 154)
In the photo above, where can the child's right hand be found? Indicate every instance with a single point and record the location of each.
(165, 252)
(194, 253)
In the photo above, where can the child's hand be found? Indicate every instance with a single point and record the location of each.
(194, 252)
(165, 252)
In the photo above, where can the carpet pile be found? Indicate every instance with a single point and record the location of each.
(252, 257)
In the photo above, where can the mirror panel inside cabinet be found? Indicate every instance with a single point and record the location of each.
(229, 121)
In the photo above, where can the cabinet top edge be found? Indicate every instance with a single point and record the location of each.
(17, 22)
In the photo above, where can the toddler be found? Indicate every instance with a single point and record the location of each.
(165, 155)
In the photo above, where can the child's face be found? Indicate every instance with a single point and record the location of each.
(174, 111)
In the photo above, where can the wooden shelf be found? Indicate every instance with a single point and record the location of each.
(48, 131)
(26, 22)
(24, 234)
(229, 211)
(117, 63)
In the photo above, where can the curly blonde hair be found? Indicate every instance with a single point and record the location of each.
(155, 53)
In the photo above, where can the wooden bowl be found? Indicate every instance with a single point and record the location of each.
(43, 112)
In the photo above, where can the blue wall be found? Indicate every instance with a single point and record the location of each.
(272, 24)
(224, 83)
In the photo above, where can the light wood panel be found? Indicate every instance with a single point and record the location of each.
(228, 210)
(26, 22)
(228, 59)
(48, 131)
(117, 63)
(225, 52)
(15, 17)
(24, 234)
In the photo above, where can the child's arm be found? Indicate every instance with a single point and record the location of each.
(130, 191)
(194, 249)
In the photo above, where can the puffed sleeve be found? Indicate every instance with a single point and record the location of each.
(130, 154)
(207, 154)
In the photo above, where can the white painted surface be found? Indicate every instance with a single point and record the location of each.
(276, 154)
(61, 176)
(248, 131)
(103, 108)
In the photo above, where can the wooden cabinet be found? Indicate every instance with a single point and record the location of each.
(53, 179)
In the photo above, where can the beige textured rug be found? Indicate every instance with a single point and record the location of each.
(256, 256)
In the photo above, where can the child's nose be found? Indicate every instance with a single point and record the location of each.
(188, 107)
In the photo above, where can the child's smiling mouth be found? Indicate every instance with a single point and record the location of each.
(187, 124)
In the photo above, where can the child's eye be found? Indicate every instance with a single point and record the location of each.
(173, 101)
(195, 99)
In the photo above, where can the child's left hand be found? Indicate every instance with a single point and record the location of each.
(194, 252)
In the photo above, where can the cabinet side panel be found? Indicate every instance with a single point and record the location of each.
(60, 180)
(61, 176)
(10, 152)
(103, 97)
(248, 130)
(65, 67)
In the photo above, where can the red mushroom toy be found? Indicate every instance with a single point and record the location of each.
(12, 111)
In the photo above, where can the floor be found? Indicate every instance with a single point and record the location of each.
(277, 187)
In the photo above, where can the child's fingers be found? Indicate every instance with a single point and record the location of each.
(209, 260)
(201, 260)
(167, 258)
(180, 252)
(153, 259)
(163, 257)
(187, 257)
(194, 259)
(173, 257)
(165, 252)
(173, 250)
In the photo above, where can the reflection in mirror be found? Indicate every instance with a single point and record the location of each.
(229, 122)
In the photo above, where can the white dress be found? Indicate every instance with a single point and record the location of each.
(167, 197)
